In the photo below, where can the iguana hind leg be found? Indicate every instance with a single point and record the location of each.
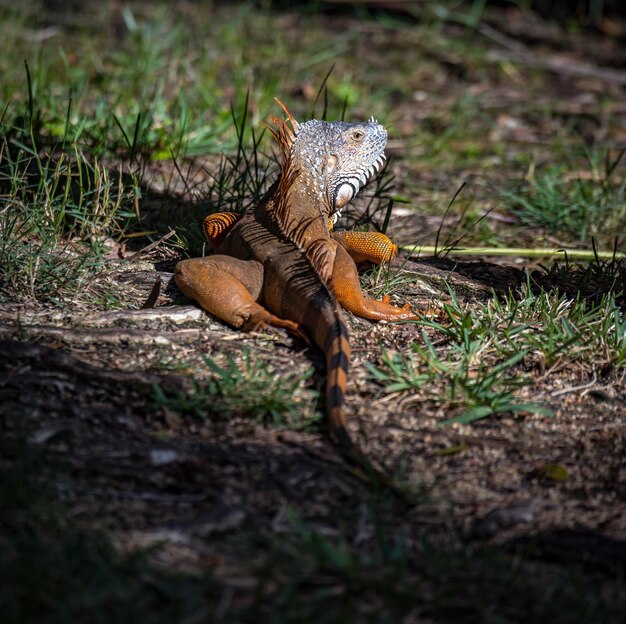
(229, 288)
(347, 289)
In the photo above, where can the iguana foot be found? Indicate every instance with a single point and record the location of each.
(261, 318)
(347, 289)
(384, 311)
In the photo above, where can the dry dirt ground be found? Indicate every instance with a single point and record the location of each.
(79, 385)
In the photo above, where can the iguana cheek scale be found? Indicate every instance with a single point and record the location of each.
(280, 264)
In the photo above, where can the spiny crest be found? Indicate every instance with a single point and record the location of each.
(285, 137)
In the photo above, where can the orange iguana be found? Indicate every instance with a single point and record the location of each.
(280, 264)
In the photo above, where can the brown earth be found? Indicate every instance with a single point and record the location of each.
(79, 385)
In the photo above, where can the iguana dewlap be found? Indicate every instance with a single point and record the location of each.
(280, 265)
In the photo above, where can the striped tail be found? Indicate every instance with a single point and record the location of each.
(337, 350)
(324, 322)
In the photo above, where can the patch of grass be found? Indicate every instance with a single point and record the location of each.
(557, 330)
(58, 207)
(391, 578)
(476, 386)
(56, 214)
(473, 388)
(247, 387)
(490, 352)
(581, 205)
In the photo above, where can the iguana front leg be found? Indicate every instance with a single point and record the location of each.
(346, 287)
(229, 289)
(217, 226)
(372, 246)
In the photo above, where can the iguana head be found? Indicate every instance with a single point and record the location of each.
(335, 159)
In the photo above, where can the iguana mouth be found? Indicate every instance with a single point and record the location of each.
(347, 189)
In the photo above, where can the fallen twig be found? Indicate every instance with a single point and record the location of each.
(521, 252)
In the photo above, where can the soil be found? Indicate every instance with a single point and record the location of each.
(79, 384)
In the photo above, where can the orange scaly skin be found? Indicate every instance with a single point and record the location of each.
(217, 226)
(280, 265)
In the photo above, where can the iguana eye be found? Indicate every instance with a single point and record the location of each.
(357, 135)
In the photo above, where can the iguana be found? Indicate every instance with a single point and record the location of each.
(280, 263)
